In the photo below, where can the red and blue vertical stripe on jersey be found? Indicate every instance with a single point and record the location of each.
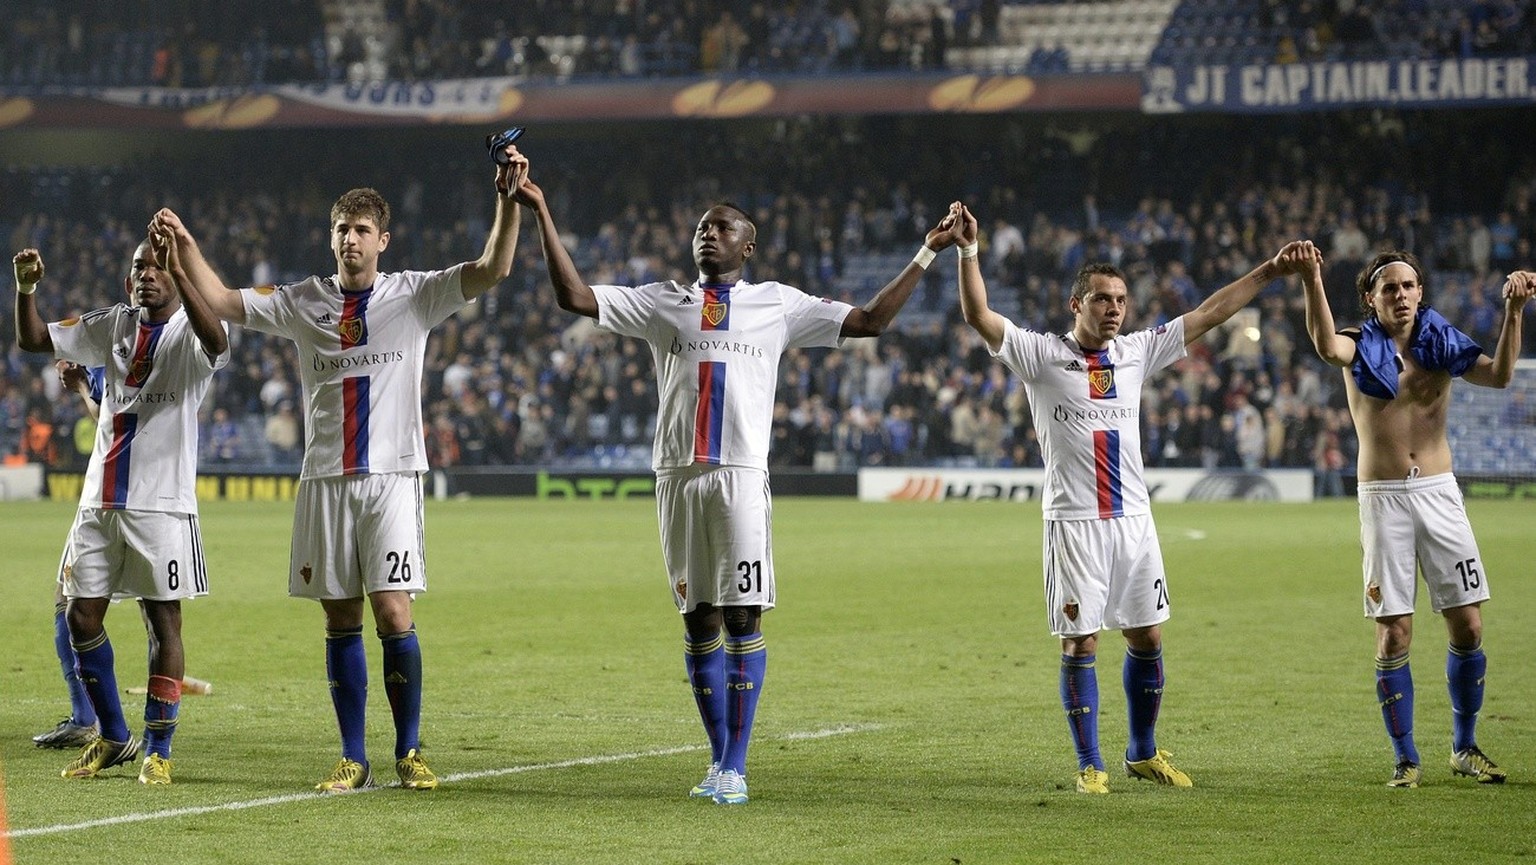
(1106, 443)
(709, 416)
(143, 360)
(355, 402)
(354, 419)
(353, 327)
(119, 459)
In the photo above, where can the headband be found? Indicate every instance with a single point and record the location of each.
(1370, 281)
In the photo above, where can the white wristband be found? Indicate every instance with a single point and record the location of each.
(970, 250)
(924, 257)
(25, 288)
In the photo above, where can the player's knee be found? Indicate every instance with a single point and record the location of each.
(741, 621)
(1467, 636)
(1081, 646)
(85, 617)
(702, 623)
(1145, 640)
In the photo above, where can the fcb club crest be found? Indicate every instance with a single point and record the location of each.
(142, 361)
(353, 324)
(351, 332)
(1069, 609)
(139, 369)
(1373, 592)
(1101, 381)
(715, 314)
(681, 587)
(306, 573)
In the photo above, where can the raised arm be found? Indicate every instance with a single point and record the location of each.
(1228, 299)
(204, 323)
(31, 330)
(571, 291)
(874, 317)
(201, 279)
(1331, 346)
(973, 288)
(495, 262)
(1497, 371)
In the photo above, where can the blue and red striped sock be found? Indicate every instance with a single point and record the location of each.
(1143, 679)
(746, 664)
(1394, 689)
(347, 668)
(162, 707)
(1465, 670)
(706, 673)
(97, 673)
(402, 683)
(80, 709)
(1080, 699)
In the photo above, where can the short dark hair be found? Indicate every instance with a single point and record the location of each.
(1367, 278)
(1087, 272)
(739, 209)
(363, 201)
(742, 212)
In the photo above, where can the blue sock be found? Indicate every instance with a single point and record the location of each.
(1080, 698)
(1394, 688)
(1143, 678)
(161, 708)
(1465, 670)
(347, 668)
(746, 663)
(80, 709)
(97, 674)
(402, 682)
(706, 673)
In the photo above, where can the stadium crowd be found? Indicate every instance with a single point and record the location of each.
(240, 43)
(512, 381)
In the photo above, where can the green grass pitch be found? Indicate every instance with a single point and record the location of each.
(910, 712)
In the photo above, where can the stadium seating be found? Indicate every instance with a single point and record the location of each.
(91, 214)
(1493, 432)
(1111, 36)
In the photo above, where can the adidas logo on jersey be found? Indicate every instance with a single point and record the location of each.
(1073, 366)
(325, 320)
(686, 301)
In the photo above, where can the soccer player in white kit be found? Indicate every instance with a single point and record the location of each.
(79, 727)
(358, 530)
(1399, 365)
(136, 533)
(716, 344)
(1103, 566)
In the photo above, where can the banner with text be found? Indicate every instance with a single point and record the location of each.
(498, 100)
(1026, 485)
(1325, 86)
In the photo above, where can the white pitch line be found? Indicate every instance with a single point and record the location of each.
(598, 760)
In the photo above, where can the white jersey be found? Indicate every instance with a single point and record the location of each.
(156, 375)
(1087, 412)
(360, 360)
(717, 350)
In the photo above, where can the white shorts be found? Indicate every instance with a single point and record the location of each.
(1103, 574)
(717, 536)
(1419, 525)
(115, 553)
(356, 535)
